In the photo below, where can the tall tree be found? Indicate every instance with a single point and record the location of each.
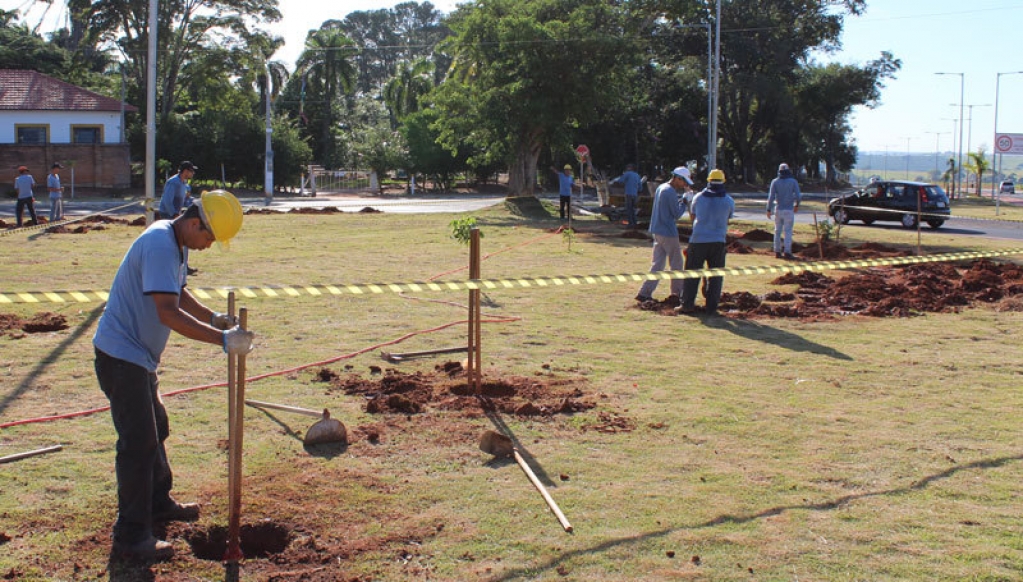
(326, 70)
(825, 97)
(405, 33)
(403, 92)
(187, 29)
(763, 46)
(525, 73)
(978, 165)
(20, 48)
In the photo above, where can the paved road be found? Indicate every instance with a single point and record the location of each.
(347, 203)
(957, 226)
(472, 202)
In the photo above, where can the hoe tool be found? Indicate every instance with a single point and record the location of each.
(499, 445)
(325, 430)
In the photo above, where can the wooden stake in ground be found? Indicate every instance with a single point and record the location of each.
(474, 375)
(816, 229)
(235, 427)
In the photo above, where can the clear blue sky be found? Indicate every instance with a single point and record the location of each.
(979, 38)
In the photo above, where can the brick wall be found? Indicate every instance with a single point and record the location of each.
(96, 165)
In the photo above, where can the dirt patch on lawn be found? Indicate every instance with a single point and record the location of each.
(41, 322)
(394, 392)
(313, 516)
(875, 292)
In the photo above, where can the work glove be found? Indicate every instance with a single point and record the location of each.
(223, 320)
(238, 341)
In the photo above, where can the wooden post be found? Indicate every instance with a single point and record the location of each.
(235, 410)
(817, 231)
(473, 373)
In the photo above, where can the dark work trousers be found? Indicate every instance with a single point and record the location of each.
(143, 475)
(566, 206)
(630, 210)
(711, 255)
(19, 210)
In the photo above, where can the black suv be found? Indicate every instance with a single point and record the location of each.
(893, 201)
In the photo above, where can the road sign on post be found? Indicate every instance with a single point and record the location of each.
(1009, 143)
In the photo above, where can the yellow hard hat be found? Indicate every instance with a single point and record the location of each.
(716, 175)
(568, 166)
(222, 214)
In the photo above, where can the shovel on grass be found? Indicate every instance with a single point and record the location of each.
(501, 446)
(325, 430)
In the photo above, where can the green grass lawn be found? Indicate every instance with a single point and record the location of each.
(771, 449)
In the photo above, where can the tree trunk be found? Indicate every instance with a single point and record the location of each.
(522, 171)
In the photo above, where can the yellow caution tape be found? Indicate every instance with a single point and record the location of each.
(279, 291)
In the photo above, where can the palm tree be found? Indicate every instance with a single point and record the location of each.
(978, 164)
(411, 81)
(949, 175)
(325, 64)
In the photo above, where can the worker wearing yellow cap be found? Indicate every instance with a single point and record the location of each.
(148, 300)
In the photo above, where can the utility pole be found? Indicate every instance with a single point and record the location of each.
(713, 162)
(957, 183)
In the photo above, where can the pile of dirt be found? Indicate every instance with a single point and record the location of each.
(876, 292)
(885, 292)
(93, 222)
(396, 392)
(41, 322)
(758, 235)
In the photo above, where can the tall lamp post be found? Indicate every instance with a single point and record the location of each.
(907, 157)
(998, 165)
(959, 164)
(969, 133)
(937, 149)
(713, 161)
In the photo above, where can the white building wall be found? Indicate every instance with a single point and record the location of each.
(60, 123)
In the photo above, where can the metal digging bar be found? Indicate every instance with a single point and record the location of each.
(409, 355)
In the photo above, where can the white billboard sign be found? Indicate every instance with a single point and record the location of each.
(1009, 143)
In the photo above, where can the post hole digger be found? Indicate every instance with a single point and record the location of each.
(323, 431)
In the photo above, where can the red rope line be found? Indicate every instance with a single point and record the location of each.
(492, 319)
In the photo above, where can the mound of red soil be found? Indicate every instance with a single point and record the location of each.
(38, 323)
(758, 235)
(395, 392)
(885, 292)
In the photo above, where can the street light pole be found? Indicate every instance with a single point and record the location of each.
(937, 149)
(998, 165)
(713, 162)
(907, 157)
(969, 135)
(957, 181)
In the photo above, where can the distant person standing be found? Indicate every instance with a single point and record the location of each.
(24, 184)
(668, 207)
(631, 181)
(711, 210)
(565, 184)
(56, 192)
(176, 190)
(783, 199)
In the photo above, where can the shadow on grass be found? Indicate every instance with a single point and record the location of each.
(533, 571)
(48, 360)
(753, 330)
(122, 569)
